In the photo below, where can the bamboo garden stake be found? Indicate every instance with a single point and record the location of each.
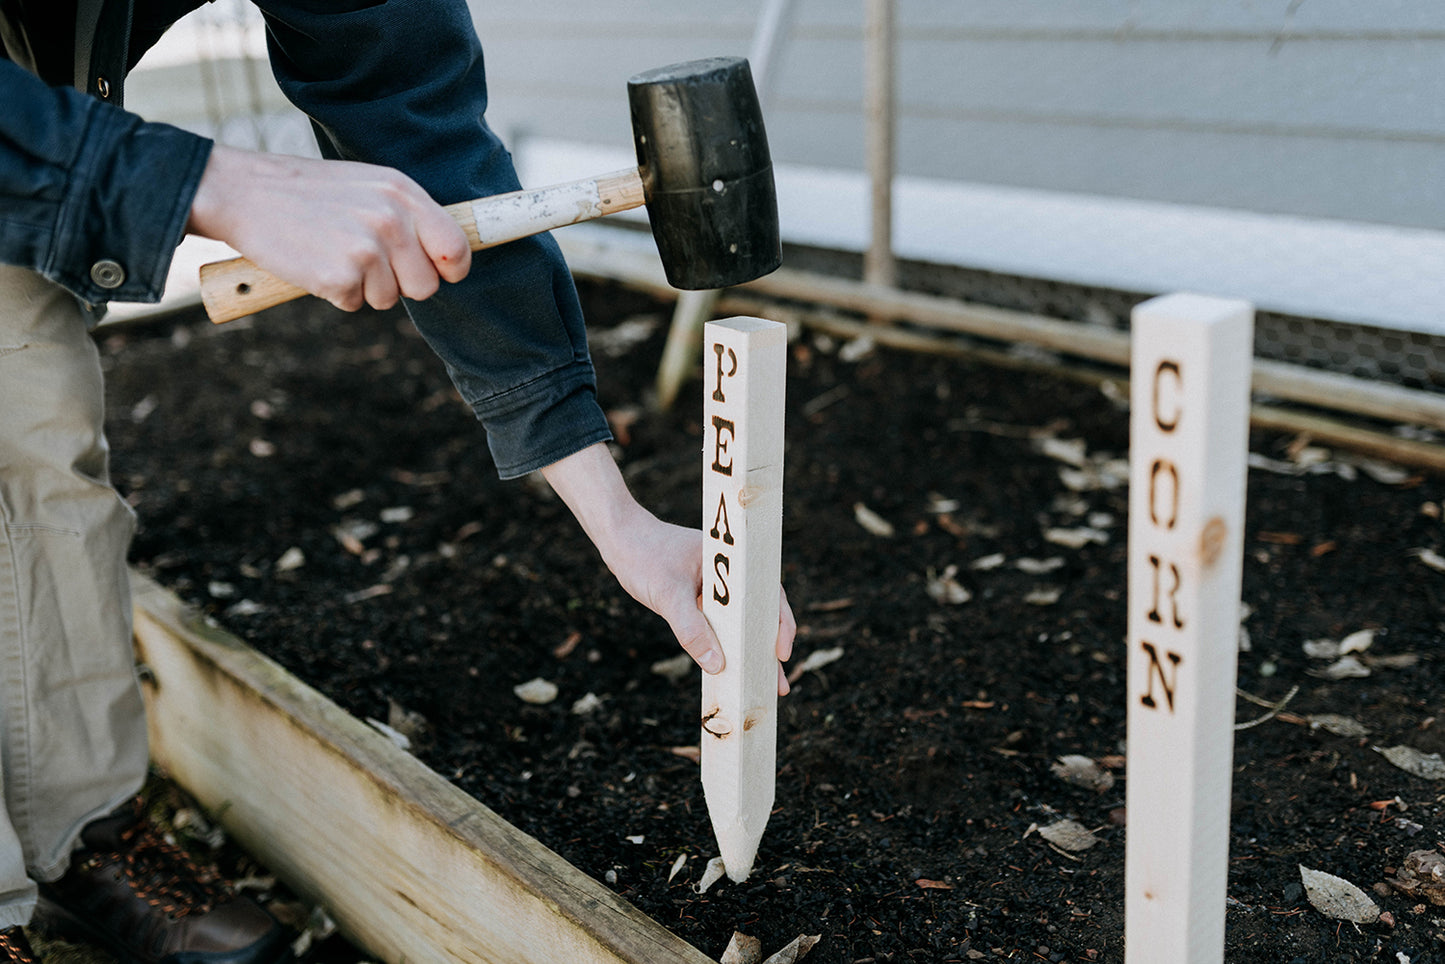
(744, 364)
(1189, 377)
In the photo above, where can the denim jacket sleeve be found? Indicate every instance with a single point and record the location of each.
(91, 197)
(400, 83)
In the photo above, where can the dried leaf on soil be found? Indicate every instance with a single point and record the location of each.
(946, 588)
(1081, 771)
(1346, 667)
(1069, 835)
(676, 669)
(1430, 558)
(1337, 724)
(1038, 567)
(587, 704)
(538, 692)
(677, 866)
(1356, 642)
(711, 874)
(926, 884)
(1070, 451)
(292, 558)
(1336, 898)
(1076, 538)
(796, 950)
(1044, 596)
(1407, 758)
(391, 733)
(817, 659)
(742, 949)
(872, 521)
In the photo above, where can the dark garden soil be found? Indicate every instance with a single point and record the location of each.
(916, 770)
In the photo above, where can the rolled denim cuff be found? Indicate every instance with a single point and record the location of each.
(543, 421)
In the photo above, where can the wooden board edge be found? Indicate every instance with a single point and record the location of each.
(410, 867)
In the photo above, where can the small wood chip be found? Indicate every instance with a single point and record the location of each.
(817, 659)
(1038, 567)
(946, 588)
(676, 669)
(538, 692)
(292, 558)
(872, 521)
(1076, 538)
(1430, 558)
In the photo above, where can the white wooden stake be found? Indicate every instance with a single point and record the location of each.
(1189, 423)
(744, 363)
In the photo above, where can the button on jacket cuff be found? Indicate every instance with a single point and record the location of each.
(125, 207)
(82, 183)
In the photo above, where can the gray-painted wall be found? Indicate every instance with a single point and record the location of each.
(1325, 108)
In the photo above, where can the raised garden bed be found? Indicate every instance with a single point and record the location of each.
(914, 770)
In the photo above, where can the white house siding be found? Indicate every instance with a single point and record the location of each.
(1018, 122)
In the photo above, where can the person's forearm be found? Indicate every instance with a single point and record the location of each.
(659, 564)
(591, 485)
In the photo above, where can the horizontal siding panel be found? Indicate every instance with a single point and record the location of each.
(1369, 181)
(1327, 108)
(1357, 88)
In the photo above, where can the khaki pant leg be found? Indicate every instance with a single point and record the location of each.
(72, 723)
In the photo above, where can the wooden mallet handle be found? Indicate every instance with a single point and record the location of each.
(236, 288)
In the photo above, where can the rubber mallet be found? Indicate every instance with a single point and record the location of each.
(703, 171)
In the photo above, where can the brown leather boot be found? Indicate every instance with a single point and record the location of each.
(14, 948)
(141, 897)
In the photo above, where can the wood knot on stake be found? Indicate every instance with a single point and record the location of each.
(1211, 541)
(748, 494)
(754, 717)
(717, 725)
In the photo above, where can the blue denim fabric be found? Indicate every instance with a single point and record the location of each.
(392, 82)
(82, 182)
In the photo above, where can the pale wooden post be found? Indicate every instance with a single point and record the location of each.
(879, 265)
(744, 364)
(1189, 424)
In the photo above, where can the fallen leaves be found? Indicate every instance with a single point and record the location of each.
(1082, 771)
(1428, 766)
(711, 874)
(675, 669)
(1430, 558)
(1352, 658)
(743, 949)
(1337, 898)
(872, 521)
(1067, 835)
(946, 589)
(814, 661)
